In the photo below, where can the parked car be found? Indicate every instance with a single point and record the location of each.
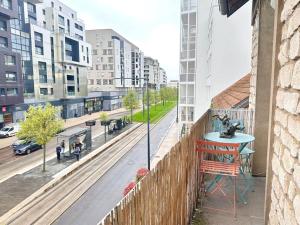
(9, 130)
(22, 147)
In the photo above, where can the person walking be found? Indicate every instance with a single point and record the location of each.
(78, 147)
(62, 145)
(58, 151)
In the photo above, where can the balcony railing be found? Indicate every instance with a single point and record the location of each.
(170, 191)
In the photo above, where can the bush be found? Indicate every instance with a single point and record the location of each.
(141, 173)
(129, 187)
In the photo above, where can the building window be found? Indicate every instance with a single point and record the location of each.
(11, 77)
(82, 48)
(6, 4)
(71, 90)
(61, 30)
(3, 25)
(78, 27)
(51, 91)
(72, 15)
(10, 60)
(44, 24)
(60, 9)
(44, 12)
(111, 82)
(95, 52)
(43, 91)
(105, 81)
(110, 66)
(2, 91)
(109, 44)
(42, 72)
(38, 37)
(109, 51)
(52, 4)
(99, 81)
(3, 42)
(31, 8)
(91, 81)
(104, 52)
(104, 67)
(110, 59)
(12, 91)
(79, 37)
(39, 50)
(70, 78)
(61, 20)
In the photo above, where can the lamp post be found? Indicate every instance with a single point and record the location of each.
(148, 117)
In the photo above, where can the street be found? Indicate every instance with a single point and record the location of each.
(11, 165)
(94, 204)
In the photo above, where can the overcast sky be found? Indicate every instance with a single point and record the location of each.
(153, 25)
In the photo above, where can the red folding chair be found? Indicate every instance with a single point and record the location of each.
(220, 160)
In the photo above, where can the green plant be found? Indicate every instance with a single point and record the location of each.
(131, 101)
(104, 121)
(41, 124)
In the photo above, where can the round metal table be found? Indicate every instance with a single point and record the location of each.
(239, 138)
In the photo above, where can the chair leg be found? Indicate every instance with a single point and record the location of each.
(202, 189)
(234, 197)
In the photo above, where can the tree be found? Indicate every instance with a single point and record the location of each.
(131, 101)
(41, 124)
(163, 95)
(104, 120)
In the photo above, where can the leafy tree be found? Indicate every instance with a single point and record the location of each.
(163, 95)
(41, 124)
(131, 101)
(104, 119)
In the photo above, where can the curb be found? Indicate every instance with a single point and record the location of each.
(65, 173)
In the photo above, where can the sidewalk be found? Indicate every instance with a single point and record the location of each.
(17, 188)
(167, 143)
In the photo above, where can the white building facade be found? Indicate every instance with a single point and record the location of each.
(117, 63)
(152, 70)
(60, 53)
(211, 58)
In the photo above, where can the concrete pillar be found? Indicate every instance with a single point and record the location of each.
(263, 86)
(274, 78)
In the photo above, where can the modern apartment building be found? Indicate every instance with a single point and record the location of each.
(117, 63)
(207, 64)
(152, 71)
(11, 82)
(163, 79)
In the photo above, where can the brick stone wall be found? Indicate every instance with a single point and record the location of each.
(254, 63)
(285, 193)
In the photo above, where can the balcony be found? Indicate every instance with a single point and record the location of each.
(177, 174)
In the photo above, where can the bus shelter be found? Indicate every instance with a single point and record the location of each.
(72, 135)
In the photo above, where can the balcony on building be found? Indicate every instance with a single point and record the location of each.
(9, 9)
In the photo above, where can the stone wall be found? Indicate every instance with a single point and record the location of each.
(285, 193)
(254, 63)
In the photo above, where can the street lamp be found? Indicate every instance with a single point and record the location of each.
(148, 116)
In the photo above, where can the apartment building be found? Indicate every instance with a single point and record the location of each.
(163, 79)
(207, 64)
(117, 63)
(152, 71)
(11, 82)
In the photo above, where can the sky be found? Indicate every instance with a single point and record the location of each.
(152, 25)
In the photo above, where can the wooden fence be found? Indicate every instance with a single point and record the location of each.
(169, 193)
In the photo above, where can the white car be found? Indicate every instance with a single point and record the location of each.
(9, 130)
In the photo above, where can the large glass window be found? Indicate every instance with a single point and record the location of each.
(10, 60)
(39, 50)
(61, 20)
(77, 26)
(3, 25)
(3, 42)
(2, 91)
(6, 4)
(31, 7)
(11, 77)
(38, 37)
(12, 91)
(43, 91)
(42, 67)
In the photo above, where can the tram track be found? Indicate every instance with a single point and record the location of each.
(46, 208)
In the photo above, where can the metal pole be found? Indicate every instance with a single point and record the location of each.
(177, 101)
(143, 104)
(148, 127)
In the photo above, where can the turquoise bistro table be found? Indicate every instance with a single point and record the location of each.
(243, 140)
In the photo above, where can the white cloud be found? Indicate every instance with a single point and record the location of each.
(152, 25)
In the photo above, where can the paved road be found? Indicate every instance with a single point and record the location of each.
(11, 164)
(107, 191)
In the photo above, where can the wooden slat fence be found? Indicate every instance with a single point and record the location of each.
(169, 193)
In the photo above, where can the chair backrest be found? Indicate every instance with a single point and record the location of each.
(207, 148)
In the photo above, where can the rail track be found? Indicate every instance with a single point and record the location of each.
(46, 208)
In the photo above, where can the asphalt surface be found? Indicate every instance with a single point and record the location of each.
(108, 191)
